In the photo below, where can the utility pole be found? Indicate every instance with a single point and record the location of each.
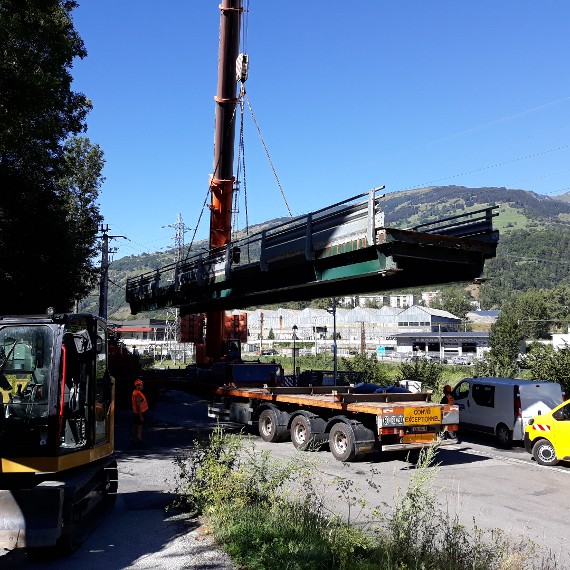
(104, 278)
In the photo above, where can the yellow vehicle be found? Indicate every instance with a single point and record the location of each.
(547, 436)
(58, 475)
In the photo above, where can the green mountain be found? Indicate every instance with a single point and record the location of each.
(532, 253)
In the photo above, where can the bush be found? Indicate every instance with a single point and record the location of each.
(372, 371)
(268, 516)
(428, 372)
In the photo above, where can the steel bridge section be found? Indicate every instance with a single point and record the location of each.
(341, 250)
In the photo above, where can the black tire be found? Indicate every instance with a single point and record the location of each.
(268, 426)
(301, 433)
(341, 442)
(505, 436)
(544, 453)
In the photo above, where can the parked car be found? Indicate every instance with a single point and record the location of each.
(547, 436)
(269, 352)
(504, 406)
(460, 361)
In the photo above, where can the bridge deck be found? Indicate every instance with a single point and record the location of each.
(340, 250)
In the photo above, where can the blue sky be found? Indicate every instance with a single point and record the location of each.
(348, 96)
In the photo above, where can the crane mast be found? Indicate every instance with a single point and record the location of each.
(222, 179)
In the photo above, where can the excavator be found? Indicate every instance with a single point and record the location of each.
(57, 473)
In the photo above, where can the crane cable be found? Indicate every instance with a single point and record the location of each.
(241, 172)
(267, 152)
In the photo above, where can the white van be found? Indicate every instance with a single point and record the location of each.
(504, 406)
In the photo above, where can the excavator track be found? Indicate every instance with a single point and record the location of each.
(58, 514)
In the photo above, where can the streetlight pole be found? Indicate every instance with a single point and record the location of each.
(295, 328)
(333, 311)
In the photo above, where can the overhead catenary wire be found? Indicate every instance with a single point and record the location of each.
(518, 159)
(468, 131)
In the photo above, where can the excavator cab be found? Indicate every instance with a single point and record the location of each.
(59, 394)
(56, 425)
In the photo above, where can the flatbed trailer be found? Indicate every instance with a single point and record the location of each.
(353, 424)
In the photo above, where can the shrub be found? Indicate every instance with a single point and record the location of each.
(428, 372)
(269, 516)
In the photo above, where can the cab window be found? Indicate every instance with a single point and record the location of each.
(484, 395)
(461, 391)
(563, 414)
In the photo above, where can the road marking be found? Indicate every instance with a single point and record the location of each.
(530, 463)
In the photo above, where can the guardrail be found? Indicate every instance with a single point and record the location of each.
(344, 225)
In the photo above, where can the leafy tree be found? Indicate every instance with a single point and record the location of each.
(505, 338)
(372, 370)
(271, 335)
(423, 370)
(49, 178)
(527, 259)
(531, 312)
(545, 363)
(455, 301)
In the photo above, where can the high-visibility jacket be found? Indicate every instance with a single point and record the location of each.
(140, 405)
(448, 399)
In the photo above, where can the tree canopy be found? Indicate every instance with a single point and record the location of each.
(50, 177)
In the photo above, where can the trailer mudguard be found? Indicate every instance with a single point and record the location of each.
(318, 425)
(364, 438)
(283, 418)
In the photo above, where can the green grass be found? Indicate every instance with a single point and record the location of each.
(511, 219)
(268, 515)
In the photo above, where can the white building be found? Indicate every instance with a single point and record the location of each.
(402, 301)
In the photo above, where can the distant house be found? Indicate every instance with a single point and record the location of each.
(488, 317)
(561, 340)
(426, 319)
(402, 301)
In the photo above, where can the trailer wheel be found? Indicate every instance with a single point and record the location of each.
(302, 435)
(341, 442)
(268, 426)
(544, 453)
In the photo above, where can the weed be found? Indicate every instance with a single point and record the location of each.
(269, 515)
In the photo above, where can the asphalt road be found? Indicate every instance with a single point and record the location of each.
(475, 480)
(139, 533)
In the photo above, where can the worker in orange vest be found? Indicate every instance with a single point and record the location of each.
(140, 407)
(447, 396)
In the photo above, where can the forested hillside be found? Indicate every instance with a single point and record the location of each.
(533, 248)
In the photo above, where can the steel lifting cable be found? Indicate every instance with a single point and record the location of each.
(241, 168)
(267, 152)
(208, 194)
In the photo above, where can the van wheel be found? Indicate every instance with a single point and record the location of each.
(504, 436)
(544, 453)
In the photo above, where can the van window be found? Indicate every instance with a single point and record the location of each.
(484, 395)
(563, 414)
(461, 391)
